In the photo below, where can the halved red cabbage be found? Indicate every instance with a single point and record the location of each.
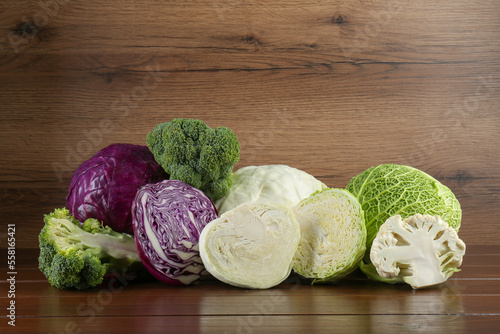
(104, 186)
(168, 218)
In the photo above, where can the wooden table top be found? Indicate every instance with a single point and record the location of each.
(469, 302)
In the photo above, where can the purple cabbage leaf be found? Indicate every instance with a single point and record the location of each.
(105, 186)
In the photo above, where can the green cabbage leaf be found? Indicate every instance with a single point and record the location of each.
(390, 189)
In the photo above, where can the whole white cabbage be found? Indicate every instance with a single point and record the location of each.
(279, 184)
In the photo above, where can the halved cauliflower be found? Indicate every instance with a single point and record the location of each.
(422, 250)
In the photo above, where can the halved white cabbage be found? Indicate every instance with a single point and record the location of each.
(251, 246)
(280, 184)
(333, 235)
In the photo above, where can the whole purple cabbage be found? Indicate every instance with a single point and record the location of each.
(168, 218)
(104, 186)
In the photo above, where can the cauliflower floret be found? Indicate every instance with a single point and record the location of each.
(422, 250)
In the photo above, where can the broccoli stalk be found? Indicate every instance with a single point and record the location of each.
(192, 152)
(78, 256)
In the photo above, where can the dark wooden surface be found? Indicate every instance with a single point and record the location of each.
(469, 302)
(329, 87)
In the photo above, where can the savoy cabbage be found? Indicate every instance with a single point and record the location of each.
(390, 189)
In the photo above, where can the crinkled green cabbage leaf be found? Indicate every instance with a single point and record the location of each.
(390, 189)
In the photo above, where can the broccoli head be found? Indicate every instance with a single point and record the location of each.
(79, 256)
(192, 152)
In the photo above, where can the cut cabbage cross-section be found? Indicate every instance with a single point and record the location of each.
(251, 246)
(333, 235)
(168, 218)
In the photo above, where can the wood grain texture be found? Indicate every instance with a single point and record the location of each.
(352, 324)
(330, 87)
(468, 302)
(325, 86)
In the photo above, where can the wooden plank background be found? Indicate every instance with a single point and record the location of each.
(330, 87)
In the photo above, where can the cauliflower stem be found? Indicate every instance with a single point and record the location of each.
(422, 251)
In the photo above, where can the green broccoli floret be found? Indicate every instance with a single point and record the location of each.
(74, 256)
(192, 152)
